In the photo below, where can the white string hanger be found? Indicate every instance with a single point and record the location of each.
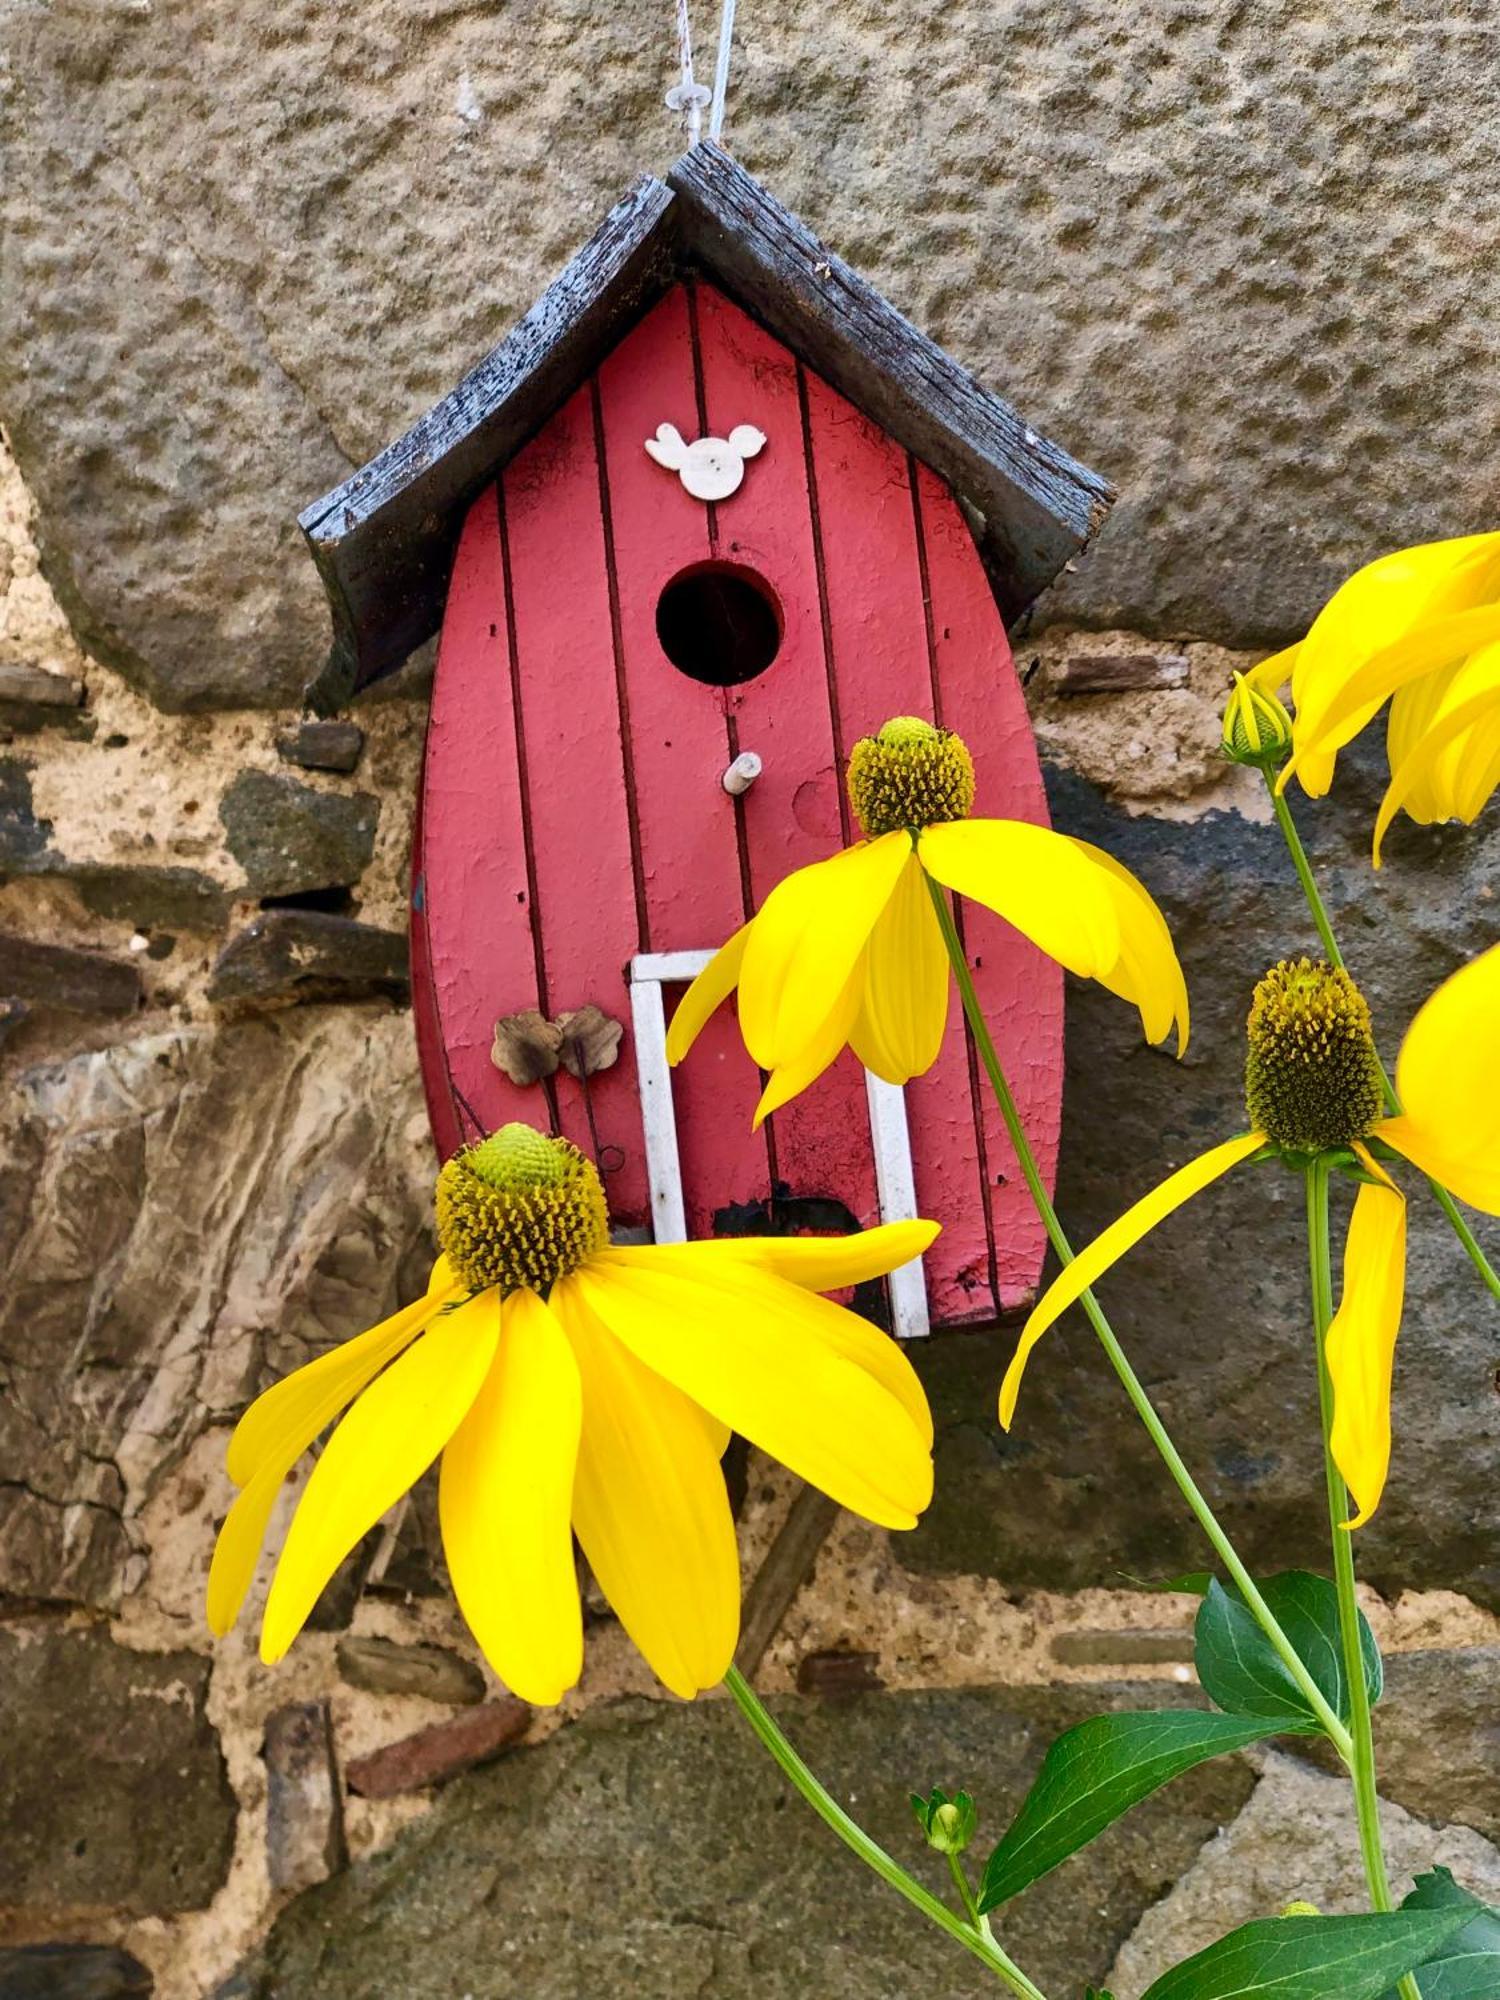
(688, 97)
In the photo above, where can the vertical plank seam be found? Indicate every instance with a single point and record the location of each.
(825, 615)
(976, 1093)
(622, 691)
(534, 913)
(731, 723)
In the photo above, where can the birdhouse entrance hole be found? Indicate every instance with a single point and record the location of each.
(718, 624)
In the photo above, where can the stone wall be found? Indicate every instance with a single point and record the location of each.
(1228, 255)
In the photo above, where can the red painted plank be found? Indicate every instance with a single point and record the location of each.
(1020, 989)
(791, 814)
(878, 638)
(442, 1106)
(679, 748)
(476, 897)
(573, 768)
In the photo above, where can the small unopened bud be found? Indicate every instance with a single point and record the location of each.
(947, 1824)
(1257, 727)
(1312, 1077)
(1302, 1910)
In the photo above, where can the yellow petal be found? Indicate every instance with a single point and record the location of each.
(1361, 1343)
(1273, 673)
(239, 1542)
(900, 1026)
(505, 1501)
(1421, 767)
(817, 1263)
(1147, 971)
(1448, 1080)
(379, 1451)
(707, 993)
(756, 1353)
(794, 1075)
(1038, 880)
(806, 942)
(872, 1253)
(651, 1510)
(282, 1407)
(1111, 1244)
(1355, 686)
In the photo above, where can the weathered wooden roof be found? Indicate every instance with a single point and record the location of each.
(383, 541)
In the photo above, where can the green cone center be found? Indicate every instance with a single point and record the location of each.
(1312, 1077)
(520, 1210)
(909, 775)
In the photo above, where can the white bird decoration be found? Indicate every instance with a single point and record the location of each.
(711, 468)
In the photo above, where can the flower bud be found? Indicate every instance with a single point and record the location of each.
(1312, 1077)
(1257, 727)
(947, 1824)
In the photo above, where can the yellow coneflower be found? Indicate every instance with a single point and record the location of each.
(570, 1386)
(1420, 628)
(1313, 1087)
(849, 950)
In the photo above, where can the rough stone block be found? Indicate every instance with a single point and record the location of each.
(385, 1666)
(1117, 673)
(139, 1190)
(33, 698)
(1123, 1649)
(72, 1972)
(323, 746)
(1234, 297)
(836, 1673)
(1296, 1839)
(112, 1787)
(151, 898)
(75, 982)
(304, 1800)
(290, 839)
(701, 1873)
(285, 957)
(441, 1751)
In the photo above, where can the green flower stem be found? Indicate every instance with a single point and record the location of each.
(1362, 1767)
(1337, 1734)
(974, 1936)
(976, 1916)
(1335, 957)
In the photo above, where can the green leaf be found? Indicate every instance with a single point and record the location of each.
(1242, 1672)
(1468, 1965)
(1097, 1771)
(1311, 1958)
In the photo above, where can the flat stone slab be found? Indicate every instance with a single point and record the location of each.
(73, 1972)
(290, 957)
(112, 1787)
(62, 977)
(653, 1848)
(433, 1755)
(386, 1666)
(323, 746)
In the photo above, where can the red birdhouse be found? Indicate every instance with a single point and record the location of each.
(709, 514)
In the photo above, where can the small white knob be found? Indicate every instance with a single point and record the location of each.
(742, 774)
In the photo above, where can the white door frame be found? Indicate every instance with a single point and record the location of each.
(890, 1136)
